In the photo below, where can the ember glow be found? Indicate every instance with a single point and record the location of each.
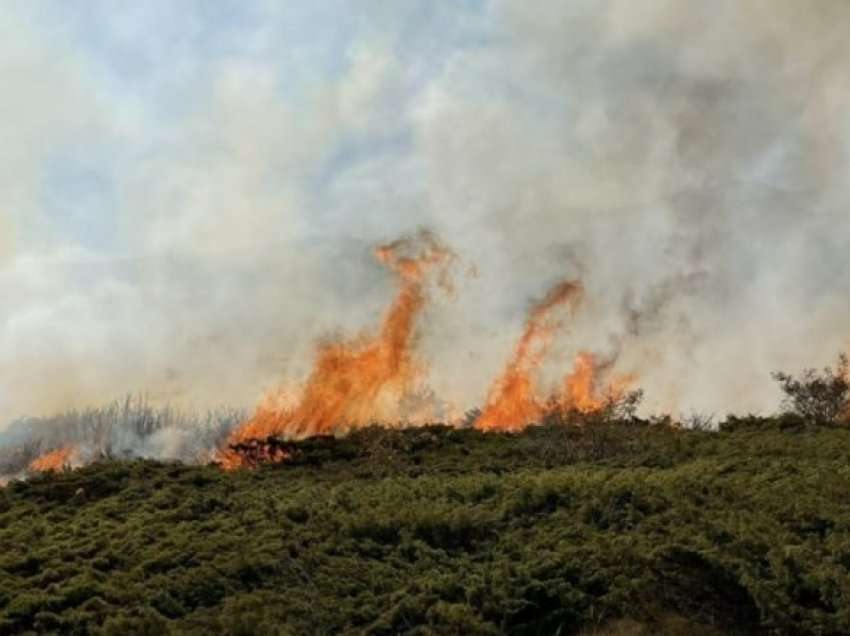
(55, 461)
(365, 379)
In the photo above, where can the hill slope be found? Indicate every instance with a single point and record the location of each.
(620, 528)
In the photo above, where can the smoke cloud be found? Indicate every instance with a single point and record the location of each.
(190, 196)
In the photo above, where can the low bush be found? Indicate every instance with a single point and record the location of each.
(612, 527)
(822, 397)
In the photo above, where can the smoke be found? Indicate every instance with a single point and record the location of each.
(129, 428)
(191, 210)
(696, 155)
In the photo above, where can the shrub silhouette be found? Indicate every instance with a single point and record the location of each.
(822, 397)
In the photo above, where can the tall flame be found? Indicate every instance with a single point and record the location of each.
(514, 402)
(366, 379)
(54, 461)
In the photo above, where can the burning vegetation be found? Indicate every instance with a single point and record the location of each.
(371, 378)
(516, 401)
(365, 379)
(381, 379)
(56, 460)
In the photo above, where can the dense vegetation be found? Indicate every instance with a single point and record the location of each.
(622, 528)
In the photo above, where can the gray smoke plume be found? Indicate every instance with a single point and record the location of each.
(130, 428)
(184, 215)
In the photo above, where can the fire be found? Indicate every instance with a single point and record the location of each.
(54, 461)
(365, 379)
(581, 390)
(379, 378)
(514, 401)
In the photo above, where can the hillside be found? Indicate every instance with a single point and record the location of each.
(611, 528)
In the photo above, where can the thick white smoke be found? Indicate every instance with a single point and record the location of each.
(187, 230)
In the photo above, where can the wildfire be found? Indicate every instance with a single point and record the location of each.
(365, 379)
(54, 461)
(515, 401)
(581, 388)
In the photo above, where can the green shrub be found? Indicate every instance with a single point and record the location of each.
(561, 529)
(820, 397)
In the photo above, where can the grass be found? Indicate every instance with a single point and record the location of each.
(125, 429)
(613, 528)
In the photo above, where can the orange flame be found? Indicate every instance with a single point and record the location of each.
(581, 391)
(54, 461)
(514, 402)
(356, 382)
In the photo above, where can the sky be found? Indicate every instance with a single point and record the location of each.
(189, 191)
